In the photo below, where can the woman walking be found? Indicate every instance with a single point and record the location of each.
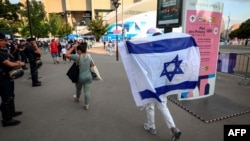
(85, 77)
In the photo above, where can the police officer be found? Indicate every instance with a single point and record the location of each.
(33, 52)
(14, 51)
(21, 48)
(7, 86)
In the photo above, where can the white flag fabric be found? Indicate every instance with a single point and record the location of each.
(160, 65)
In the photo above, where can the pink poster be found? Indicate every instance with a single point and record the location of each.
(202, 20)
(204, 26)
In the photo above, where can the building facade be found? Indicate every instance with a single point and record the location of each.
(80, 12)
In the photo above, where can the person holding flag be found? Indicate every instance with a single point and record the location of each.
(173, 68)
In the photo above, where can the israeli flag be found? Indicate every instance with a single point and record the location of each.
(160, 65)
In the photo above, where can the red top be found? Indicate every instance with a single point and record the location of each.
(53, 47)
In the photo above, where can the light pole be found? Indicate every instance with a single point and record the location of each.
(227, 31)
(28, 11)
(116, 4)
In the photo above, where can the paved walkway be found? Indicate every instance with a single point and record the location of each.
(50, 114)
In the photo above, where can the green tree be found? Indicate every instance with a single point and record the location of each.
(38, 20)
(58, 25)
(245, 29)
(10, 16)
(4, 24)
(242, 32)
(97, 27)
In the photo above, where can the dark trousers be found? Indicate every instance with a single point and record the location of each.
(7, 95)
(64, 58)
(33, 71)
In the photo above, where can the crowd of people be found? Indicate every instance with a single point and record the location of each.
(19, 53)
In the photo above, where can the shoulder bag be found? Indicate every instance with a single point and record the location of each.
(73, 72)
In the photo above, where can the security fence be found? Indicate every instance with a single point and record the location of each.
(235, 64)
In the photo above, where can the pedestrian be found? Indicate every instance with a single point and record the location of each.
(85, 77)
(45, 46)
(33, 52)
(14, 49)
(110, 46)
(64, 50)
(104, 44)
(7, 86)
(54, 51)
(59, 49)
(150, 110)
(246, 42)
(21, 48)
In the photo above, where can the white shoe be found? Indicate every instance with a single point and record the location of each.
(86, 107)
(76, 99)
(149, 129)
(176, 134)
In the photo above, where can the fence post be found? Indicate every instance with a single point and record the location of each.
(245, 81)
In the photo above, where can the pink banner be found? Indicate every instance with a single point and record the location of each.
(202, 20)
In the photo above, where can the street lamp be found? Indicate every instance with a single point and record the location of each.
(116, 4)
(227, 31)
(28, 11)
(66, 14)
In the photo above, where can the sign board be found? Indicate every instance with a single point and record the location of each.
(117, 31)
(202, 20)
(168, 13)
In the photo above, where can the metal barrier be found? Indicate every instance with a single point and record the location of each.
(244, 64)
(236, 64)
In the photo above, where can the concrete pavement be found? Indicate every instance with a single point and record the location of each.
(50, 114)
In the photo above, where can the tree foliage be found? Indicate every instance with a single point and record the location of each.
(243, 32)
(37, 19)
(58, 25)
(10, 16)
(97, 27)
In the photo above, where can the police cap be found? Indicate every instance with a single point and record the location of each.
(2, 36)
(30, 39)
(157, 33)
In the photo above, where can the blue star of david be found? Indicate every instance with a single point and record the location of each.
(176, 70)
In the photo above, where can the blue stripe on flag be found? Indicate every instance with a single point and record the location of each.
(161, 46)
(165, 89)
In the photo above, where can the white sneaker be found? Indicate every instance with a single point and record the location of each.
(176, 134)
(149, 129)
(86, 107)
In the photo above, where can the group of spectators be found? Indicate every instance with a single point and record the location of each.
(18, 53)
(236, 41)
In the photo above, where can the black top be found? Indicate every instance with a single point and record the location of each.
(3, 68)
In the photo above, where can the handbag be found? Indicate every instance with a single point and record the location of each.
(16, 72)
(73, 72)
(94, 70)
(95, 73)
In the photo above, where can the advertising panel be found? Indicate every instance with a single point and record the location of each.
(202, 20)
(168, 13)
